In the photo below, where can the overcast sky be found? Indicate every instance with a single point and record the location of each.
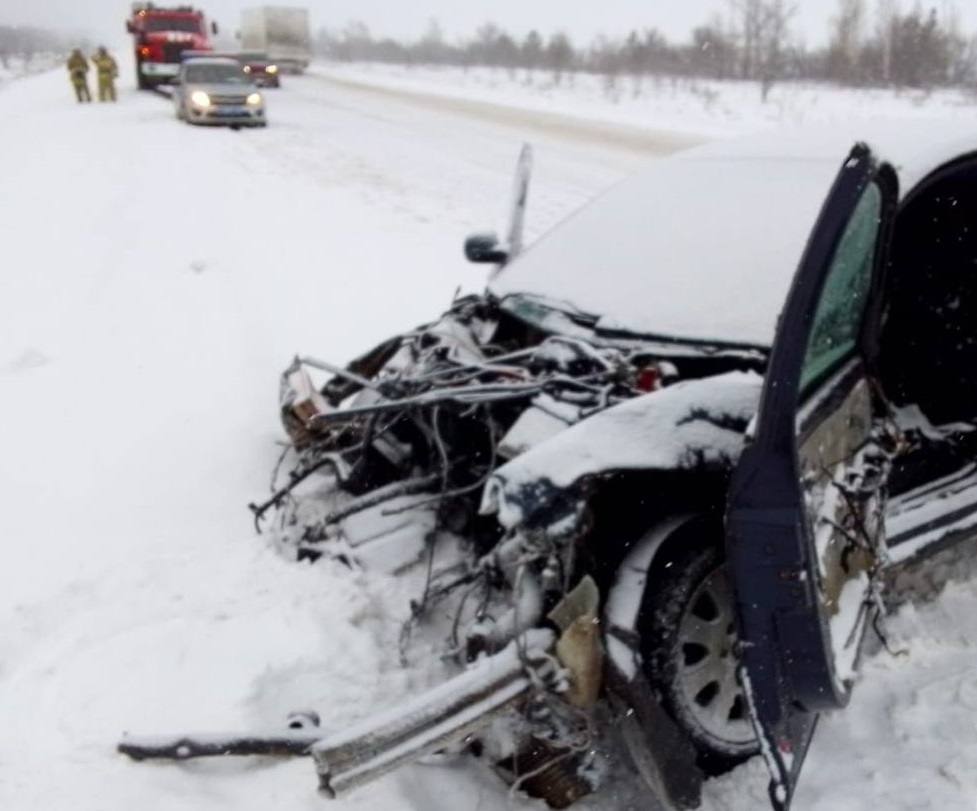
(406, 19)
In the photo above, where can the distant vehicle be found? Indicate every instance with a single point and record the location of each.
(161, 35)
(283, 34)
(263, 70)
(216, 90)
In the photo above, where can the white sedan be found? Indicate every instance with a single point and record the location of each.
(217, 90)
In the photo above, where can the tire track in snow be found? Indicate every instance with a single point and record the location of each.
(440, 160)
(598, 134)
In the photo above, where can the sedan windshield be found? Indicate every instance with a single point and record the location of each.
(217, 74)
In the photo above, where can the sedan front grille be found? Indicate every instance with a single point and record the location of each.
(230, 100)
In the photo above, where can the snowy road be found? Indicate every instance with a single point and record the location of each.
(156, 278)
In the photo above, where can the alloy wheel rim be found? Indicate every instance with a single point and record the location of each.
(706, 665)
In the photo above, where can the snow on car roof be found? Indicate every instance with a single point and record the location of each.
(703, 245)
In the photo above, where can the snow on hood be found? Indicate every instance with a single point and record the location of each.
(694, 424)
(704, 245)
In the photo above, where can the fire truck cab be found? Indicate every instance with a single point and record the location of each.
(160, 37)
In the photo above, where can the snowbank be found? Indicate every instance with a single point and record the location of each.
(696, 106)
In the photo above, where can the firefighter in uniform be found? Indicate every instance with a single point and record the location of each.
(78, 71)
(107, 71)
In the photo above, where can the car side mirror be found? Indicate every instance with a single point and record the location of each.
(130, 28)
(214, 29)
(485, 249)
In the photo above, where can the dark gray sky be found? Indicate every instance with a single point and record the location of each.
(581, 19)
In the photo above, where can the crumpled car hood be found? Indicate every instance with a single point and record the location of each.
(697, 424)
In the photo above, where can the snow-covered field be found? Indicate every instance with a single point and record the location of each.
(16, 66)
(694, 106)
(156, 279)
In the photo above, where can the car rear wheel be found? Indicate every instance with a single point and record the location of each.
(689, 643)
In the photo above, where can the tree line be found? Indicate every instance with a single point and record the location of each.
(920, 47)
(26, 42)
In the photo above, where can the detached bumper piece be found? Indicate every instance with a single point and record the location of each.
(438, 719)
(186, 747)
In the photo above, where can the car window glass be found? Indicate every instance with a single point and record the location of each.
(216, 74)
(838, 318)
(187, 24)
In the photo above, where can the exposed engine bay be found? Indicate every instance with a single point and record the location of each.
(400, 462)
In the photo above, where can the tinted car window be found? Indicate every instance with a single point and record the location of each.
(838, 319)
(188, 24)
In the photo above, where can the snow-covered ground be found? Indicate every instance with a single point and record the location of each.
(694, 106)
(156, 279)
(17, 66)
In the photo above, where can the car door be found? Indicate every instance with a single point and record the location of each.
(804, 531)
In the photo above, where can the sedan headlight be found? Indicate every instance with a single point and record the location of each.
(200, 98)
(254, 98)
(271, 69)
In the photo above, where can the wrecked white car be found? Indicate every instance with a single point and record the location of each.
(660, 472)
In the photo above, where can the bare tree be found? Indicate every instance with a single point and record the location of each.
(507, 53)
(633, 58)
(774, 42)
(7, 45)
(763, 31)
(958, 46)
(844, 48)
(559, 55)
(746, 16)
(28, 42)
(886, 14)
(606, 57)
(922, 48)
(713, 51)
(431, 48)
(531, 54)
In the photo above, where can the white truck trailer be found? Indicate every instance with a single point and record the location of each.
(280, 32)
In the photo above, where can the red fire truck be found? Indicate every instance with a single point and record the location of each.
(161, 35)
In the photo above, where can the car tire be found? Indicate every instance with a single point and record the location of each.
(688, 645)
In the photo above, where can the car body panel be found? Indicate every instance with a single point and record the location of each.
(695, 425)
